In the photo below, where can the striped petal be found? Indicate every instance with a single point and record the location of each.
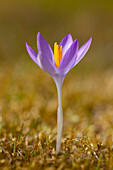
(69, 58)
(46, 64)
(44, 48)
(66, 43)
(32, 53)
(82, 51)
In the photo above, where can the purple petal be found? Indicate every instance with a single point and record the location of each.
(83, 50)
(66, 42)
(46, 64)
(32, 53)
(69, 58)
(44, 47)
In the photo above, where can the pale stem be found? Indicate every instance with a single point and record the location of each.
(59, 118)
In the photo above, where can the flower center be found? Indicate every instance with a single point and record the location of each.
(57, 54)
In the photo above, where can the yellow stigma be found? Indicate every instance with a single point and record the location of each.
(57, 54)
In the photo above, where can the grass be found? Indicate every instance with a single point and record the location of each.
(36, 152)
(28, 131)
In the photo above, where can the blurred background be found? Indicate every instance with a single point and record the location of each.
(21, 20)
(26, 91)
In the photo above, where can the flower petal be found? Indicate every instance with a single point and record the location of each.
(32, 53)
(66, 42)
(69, 58)
(45, 64)
(44, 47)
(83, 50)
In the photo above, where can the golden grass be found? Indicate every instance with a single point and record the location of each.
(28, 133)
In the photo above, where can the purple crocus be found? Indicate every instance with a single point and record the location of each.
(66, 55)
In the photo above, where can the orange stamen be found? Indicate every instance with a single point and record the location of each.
(57, 54)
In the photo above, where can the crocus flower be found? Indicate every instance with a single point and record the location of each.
(66, 55)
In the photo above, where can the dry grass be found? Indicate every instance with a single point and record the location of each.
(28, 130)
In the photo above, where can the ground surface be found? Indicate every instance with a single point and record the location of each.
(28, 132)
